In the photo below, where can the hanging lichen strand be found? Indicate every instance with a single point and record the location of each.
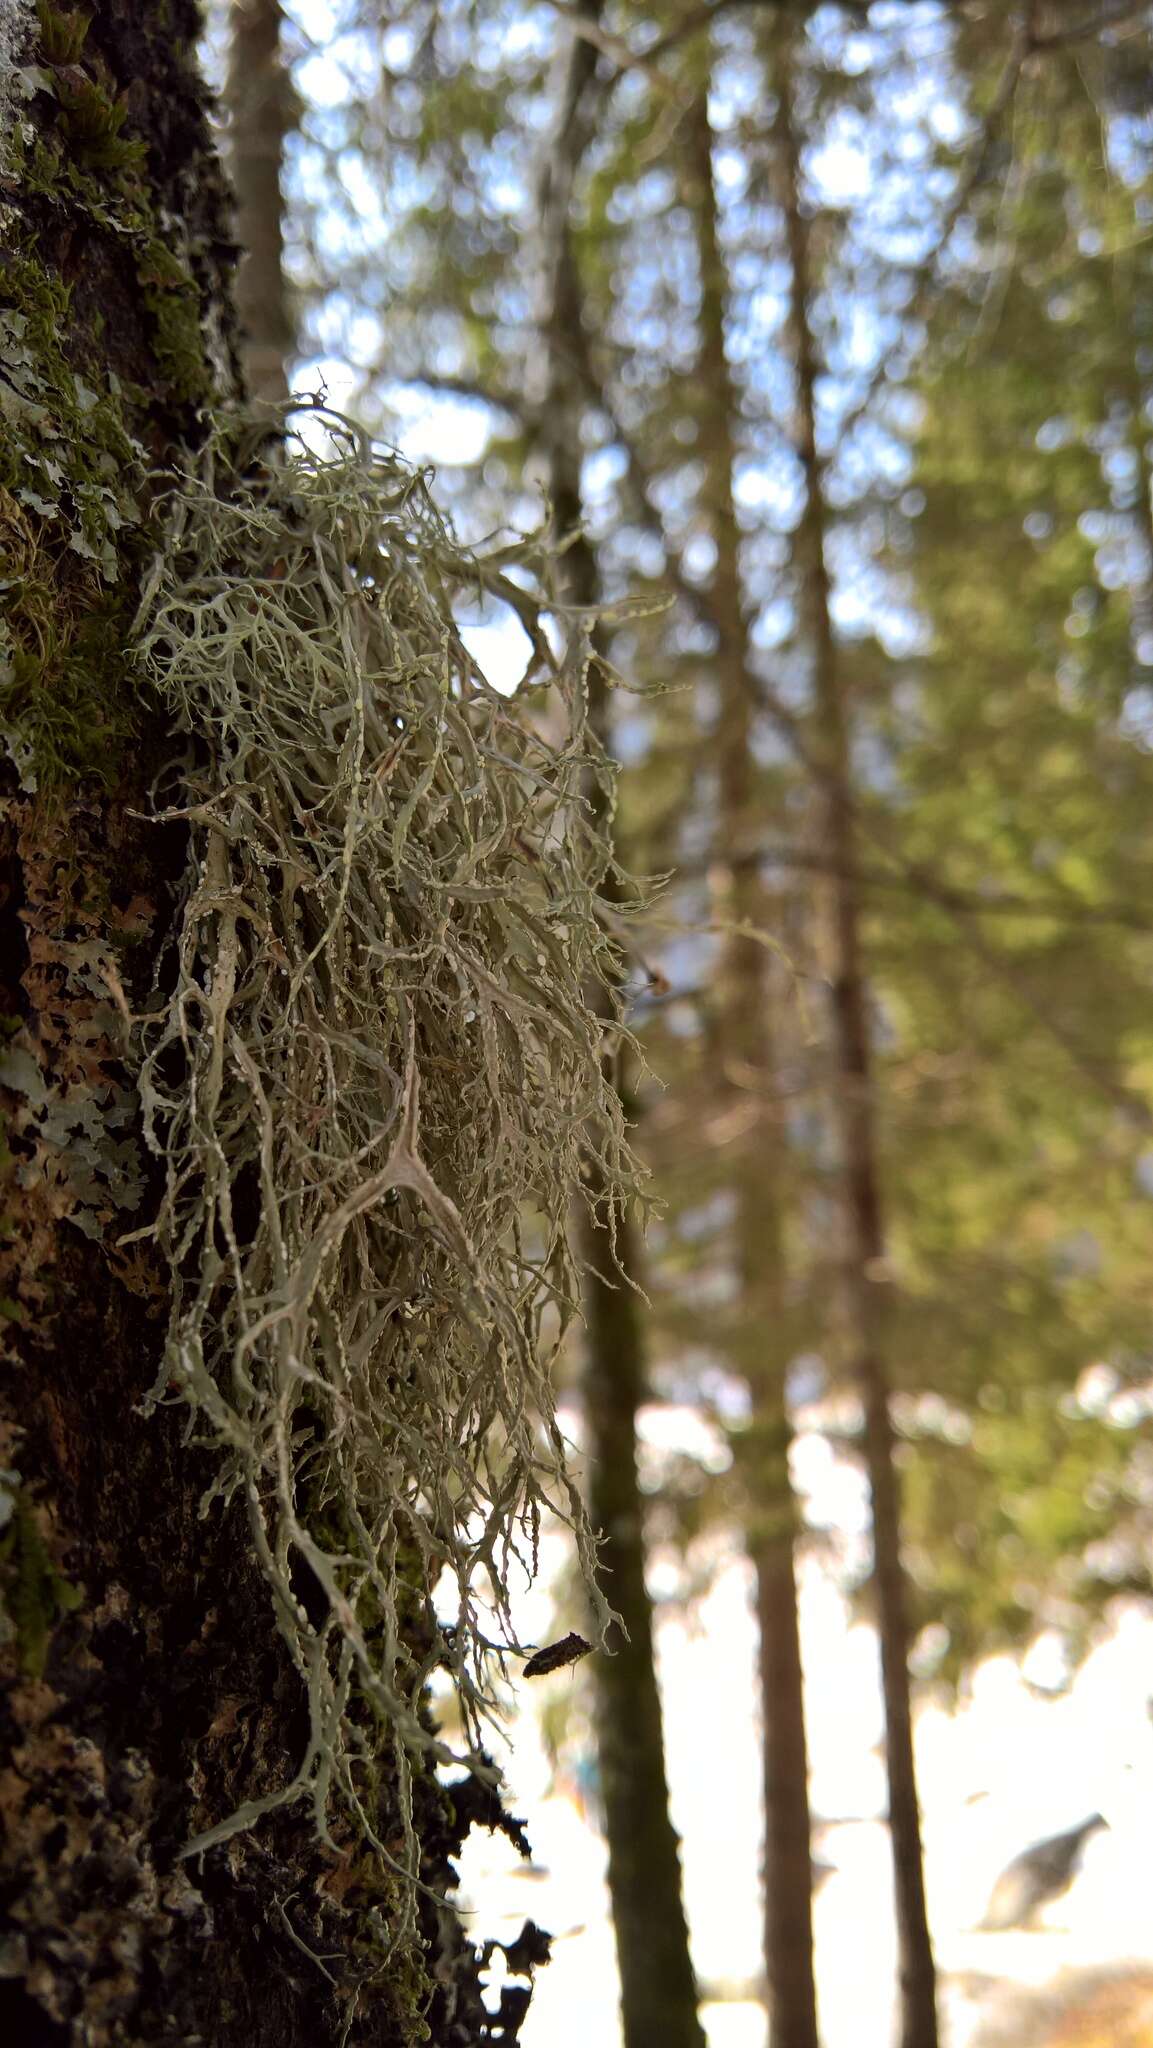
(373, 1081)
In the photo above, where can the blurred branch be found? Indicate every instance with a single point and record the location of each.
(1134, 1106)
(1125, 15)
(643, 490)
(965, 910)
(615, 48)
(696, 22)
(917, 879)
(926, 277)
(513, 403)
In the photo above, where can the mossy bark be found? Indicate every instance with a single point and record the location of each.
(145, 1688)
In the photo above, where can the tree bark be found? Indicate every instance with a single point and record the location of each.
(865, 1271)
(258, 97)
(144, 1688)
(745, 1038)
(657, 1987)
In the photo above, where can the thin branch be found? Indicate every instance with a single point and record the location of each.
(917, 879)
(694, 23)
(1125, 15)
(620, 56)
(510, 402)
(642, 487)
(965, 913)
(926, 277)
(1102, 1078)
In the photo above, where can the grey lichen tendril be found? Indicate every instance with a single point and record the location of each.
(373, 1083)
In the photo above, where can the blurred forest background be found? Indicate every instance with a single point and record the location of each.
(821, 337)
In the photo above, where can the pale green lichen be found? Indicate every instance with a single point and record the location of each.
(374, 1083)
(17, 33)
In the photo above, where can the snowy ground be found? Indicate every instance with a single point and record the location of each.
(1009, 1767)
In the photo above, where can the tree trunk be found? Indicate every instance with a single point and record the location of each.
(865, 1251)
(747, 1052)
(146, 1689)
(658, 1989)
(258, 97)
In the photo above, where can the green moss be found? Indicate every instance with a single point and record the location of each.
(90, 113)
(173, 301)
(68, 518)
(79, 160)
(35, 1593)
(63, 32)
(68, 701)
(90, 121)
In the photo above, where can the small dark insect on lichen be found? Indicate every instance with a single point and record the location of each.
(555, 1656)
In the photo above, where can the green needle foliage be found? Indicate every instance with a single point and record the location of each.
(1016, 982)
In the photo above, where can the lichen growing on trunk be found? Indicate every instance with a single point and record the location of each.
(289, 894)
(372, 1082)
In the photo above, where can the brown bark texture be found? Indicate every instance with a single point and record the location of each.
(144, 1689)
(258, 98)
(865, 1271)
(657, 1987)
(745, 1039)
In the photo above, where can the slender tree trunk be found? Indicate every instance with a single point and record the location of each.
(746, 1042)
(658, 1989)
(144, 1688)
(865, 1261)
(258, 97)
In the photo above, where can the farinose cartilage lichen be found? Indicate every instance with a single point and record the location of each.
(373, 1081)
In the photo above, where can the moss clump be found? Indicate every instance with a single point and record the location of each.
(78, 159)
(69, 513)
(34, 1594)
(173, 302)
(63, 32)
(79, 154)
(72, 477)
(90, 122)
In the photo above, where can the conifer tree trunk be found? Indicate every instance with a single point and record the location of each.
(144, 1688)
(747, 1052)
(657, 1988)
(864, 1220)
(258, 98)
